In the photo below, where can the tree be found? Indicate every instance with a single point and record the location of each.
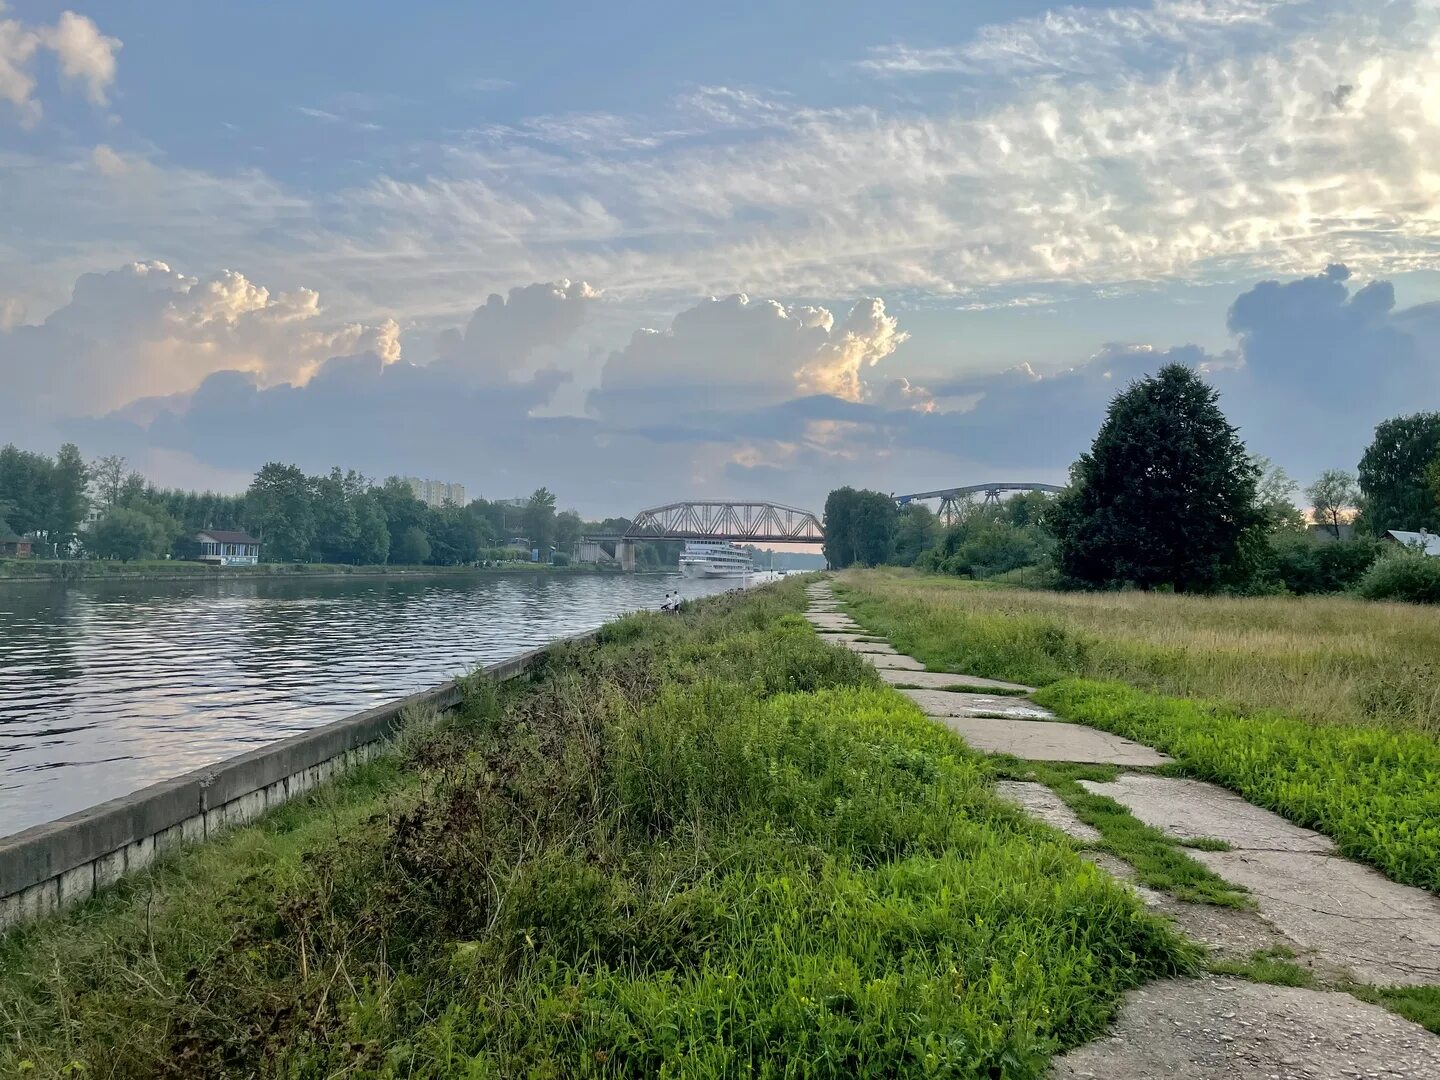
(126, 533)
(859, 527)
(1330, 496)
(568, 528)
(413, 548)
(336, 529)
(25, 488)
(916, 531)
(107, 474)
(68, 502)
(372, 532)
(456, 535)
(278, 511)
(1392, 475)
(540, 521)
(402, 510)
(1275, 496)
(1166, 495)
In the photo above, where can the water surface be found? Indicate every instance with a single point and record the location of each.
(108, 686)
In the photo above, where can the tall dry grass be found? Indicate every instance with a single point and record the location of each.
(1325, 659)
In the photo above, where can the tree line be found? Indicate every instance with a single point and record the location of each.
(1168, 497)
(105, 509)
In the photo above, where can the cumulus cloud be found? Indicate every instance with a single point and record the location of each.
(147, 330)
(504, 332)
(737, 353)
(85, 57)
(1324, 362)
(738, 397)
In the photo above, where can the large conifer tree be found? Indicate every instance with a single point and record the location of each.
(1166, 495)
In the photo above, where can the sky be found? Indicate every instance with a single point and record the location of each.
(642, 253)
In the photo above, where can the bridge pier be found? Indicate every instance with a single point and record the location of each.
(625, 554)
(590, 551)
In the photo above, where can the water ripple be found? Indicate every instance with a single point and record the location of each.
(110, 686)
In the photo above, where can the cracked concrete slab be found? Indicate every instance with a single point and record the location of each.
(877, 647)
(834, 622)
(884, 662)
(944, 680)
(1190, 809)
(966, 703)
(1040, 802)
(1228, 933)
(1346, 914)
(1214, 1029)
(1040, 740)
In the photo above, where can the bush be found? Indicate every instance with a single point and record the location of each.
(1404, 575)
(1304, 565)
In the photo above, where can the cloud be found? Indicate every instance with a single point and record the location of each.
(504, 332)
(145, 330)
(85, 56)
(109, 162)
(738, 397)
(1324, 362)
(737, 353)
(1081, 41)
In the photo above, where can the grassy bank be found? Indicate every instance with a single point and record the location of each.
(1324, 710)
(710, 845)
(18, 570)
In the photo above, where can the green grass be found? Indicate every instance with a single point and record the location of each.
(1375, 792)
(709, 845)
(1374, 787)
(1275, 966)
(1159, 860)
(1418, 1003)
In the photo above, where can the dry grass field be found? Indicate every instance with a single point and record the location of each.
(1323, 659)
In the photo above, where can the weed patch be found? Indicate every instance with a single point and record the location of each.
(1158, 859)
(1418, 1003)
(1275, 966)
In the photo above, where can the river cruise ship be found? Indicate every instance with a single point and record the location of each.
(713, 558)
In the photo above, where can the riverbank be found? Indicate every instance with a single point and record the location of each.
(710, 844)
(16, 571)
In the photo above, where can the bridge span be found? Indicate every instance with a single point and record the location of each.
(736, 520)
(950, 497)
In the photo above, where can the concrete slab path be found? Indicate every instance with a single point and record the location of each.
(1042, 803)
(884, 662)
(1216, 1029)
(942, 703)
(943, 680)
(1349, 915)
(1039, 740)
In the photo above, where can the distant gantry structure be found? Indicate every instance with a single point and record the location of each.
(741, 521)
(950, 497)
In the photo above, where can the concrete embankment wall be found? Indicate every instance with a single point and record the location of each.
(63, 862)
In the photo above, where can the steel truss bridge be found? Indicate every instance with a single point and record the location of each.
(950, 497)
(715, 519)
(723, 519)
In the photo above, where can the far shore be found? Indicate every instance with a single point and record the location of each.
(77, 571)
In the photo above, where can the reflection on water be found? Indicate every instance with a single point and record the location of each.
(111, 686)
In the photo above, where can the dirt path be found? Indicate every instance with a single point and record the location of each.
(1345, 923)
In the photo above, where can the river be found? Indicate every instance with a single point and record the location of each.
(108, 686)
